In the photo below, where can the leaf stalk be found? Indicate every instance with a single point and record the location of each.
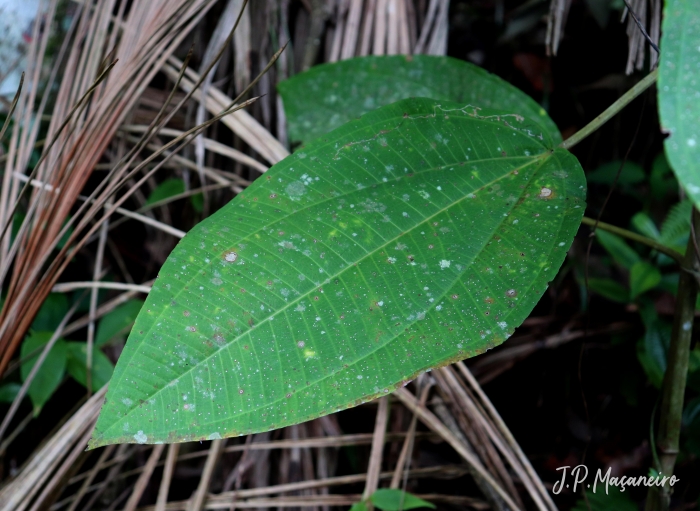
(611, 111)
(633, 236)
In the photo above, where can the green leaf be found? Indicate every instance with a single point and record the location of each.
(609, 289)
(691, 412)
(394, 500)
(691, 425)
(662, 181)
(643, 277)
(652, 348)
(102, 367)
(620, 251)
(197, 201)
(51, 313)
(645, 225)
(165, 190)
(415, 236)
(676, 227)
(329, 95)
(632, 173)
(601, 500)
(50, 374)
(679, 89)
(9, 391)
(693, 381)
(117, 322)
(359, 506)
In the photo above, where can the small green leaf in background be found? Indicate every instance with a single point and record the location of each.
(632, 174)
(50, 374)
(394, 500)
(118, 322)
(329, 95)
(165, 190)
(643, 277)
(359, 506)
(662, 181)
(652, 348)
(691, 425)
(679, 89)
(693, 381)
(51, 313)
(102, 367)
(645, 225)
(621, 252)
(17, 220)
(422, 233)
(613, 500)
(676, 226)
(610, 289)
(9, 391)
(197, 201)
(64, 239)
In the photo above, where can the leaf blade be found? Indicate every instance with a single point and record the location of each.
(336, 319)
(643, 277)
(678, 90)
(326, 96)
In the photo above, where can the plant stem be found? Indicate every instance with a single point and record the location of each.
(633, 236)
(673, 388)
(611, 111)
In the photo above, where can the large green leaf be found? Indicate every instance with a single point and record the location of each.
(329, 95)
(415, 236)
(679, 91)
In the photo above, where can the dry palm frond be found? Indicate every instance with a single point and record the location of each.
(385, 27)
(638, 12)
(643, 29)
(111, 61)
(558, 12)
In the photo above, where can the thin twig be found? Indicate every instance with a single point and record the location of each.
(641, 27)
(375, 457)
(6, 124)
(430, 420)
(66, 287)
(144, 479)
(170, 461)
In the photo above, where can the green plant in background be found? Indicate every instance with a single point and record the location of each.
(422, 233)
(67, 357)
(393, 500)
(612, 500)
